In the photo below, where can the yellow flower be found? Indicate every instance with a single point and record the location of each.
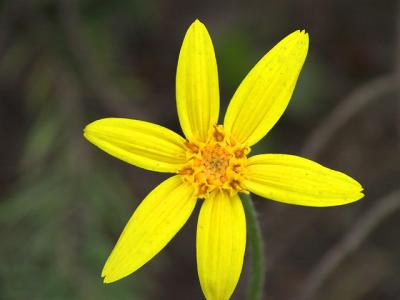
(211, 163)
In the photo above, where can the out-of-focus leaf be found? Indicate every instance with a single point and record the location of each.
(43, 138)
(236, 56)
(39, 84)
(308, 97)
(15, 58)
(55, 227)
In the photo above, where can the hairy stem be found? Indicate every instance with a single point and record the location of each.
(256, 245)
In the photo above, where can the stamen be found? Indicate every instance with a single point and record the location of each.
(239, 153)
(192, 147)
(211, 179)
(202, 189)
(219, 136)
(235, 185)
(237, 168)
(223, 178)
(186, 171)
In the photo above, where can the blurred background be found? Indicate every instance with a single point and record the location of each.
(63, 202)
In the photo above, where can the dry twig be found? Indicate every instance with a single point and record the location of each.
(349, 243)
(348, 108)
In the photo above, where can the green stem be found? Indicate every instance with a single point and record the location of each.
(256, 245)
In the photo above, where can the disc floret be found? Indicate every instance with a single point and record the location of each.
(219, 163)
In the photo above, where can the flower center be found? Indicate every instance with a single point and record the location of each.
(217, 164)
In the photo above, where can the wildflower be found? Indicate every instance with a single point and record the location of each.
(211, 163)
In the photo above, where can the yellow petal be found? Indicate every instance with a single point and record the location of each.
(264, 94)
(154, 223)
(296, 180)
(221, 242)
(197, 91)
(143, 144)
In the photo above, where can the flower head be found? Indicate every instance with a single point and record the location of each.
(218, 164)
(212, 162)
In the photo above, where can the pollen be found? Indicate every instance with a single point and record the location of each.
(219, 163)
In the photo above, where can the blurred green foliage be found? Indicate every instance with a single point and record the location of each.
(59, 221)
